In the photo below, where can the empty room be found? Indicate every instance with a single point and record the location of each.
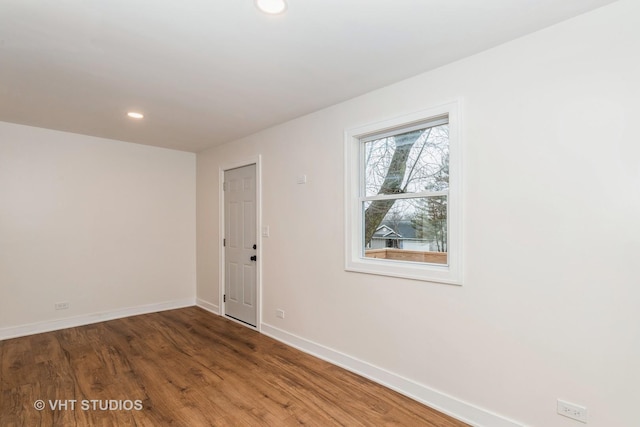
(267, 212)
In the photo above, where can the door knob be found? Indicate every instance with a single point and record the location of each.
(254, 258)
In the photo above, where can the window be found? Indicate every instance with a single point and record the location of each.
(403, 196)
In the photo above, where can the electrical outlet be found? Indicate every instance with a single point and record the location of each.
(61, 305)
(573, 411)
(280, 314)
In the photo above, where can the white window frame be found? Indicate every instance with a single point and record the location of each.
(354, 257)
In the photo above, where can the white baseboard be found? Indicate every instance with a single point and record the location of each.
(449, 405)
(87, 319)
(206, 305)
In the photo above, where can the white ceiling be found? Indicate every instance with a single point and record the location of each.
(206, 72)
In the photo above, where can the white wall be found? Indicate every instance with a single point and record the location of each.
(101, 224)
(550, 304)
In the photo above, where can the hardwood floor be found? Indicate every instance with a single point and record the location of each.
(187, 367)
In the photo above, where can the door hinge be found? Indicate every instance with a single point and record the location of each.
(224, 242)
(224, 298)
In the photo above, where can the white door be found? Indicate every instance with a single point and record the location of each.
(240, 244)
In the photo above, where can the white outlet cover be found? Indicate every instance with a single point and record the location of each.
(572, 410)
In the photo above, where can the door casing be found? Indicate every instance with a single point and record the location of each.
(221, 227)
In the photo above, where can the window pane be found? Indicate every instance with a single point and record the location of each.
(408, 162)
(412, 230)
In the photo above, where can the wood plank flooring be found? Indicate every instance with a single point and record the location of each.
(187, 367)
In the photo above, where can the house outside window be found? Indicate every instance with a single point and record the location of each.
(403, 196)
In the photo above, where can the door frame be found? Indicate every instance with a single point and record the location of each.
(257, 160)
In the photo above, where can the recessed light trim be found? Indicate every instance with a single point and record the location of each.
(135, 115)
(272, 7)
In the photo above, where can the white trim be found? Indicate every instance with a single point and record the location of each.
(87, 319)
(463, 411)
(254, 160)
(206, 305)
(405, 127)
(402, 196)
(354, 261)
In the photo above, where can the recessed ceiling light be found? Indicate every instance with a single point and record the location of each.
(135, 115)
(272, 7)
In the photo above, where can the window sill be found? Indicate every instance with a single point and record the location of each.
(401, 269)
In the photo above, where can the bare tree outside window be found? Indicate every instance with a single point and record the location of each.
(405, 194)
